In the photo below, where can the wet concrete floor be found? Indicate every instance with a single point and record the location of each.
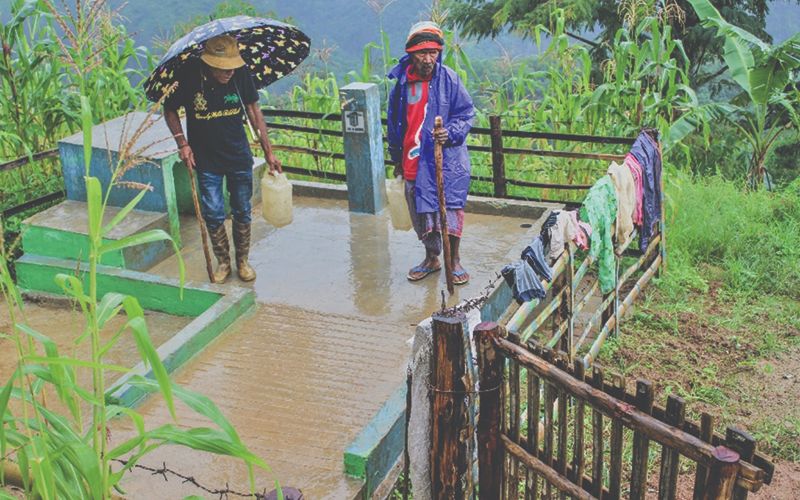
(301, 376)
(64, 326)
(331, 260)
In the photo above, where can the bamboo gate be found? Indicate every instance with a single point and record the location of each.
(547, 427)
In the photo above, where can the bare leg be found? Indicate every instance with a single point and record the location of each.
(460, 275)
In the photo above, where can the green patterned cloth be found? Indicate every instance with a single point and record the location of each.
(600, 211)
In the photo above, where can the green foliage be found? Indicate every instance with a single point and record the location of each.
(66, 454)
(765, 73)
(484, 18)
(41, 91)
(753, 238)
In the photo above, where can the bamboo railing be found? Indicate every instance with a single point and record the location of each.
(561, 447)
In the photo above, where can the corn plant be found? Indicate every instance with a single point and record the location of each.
(40, 90)
(67, 455)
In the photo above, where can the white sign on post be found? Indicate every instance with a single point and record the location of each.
(354, 122)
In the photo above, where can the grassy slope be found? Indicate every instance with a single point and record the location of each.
(722, 328)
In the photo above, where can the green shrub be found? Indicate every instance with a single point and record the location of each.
(752, 237)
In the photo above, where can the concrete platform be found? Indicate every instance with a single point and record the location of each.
(63, 322)
(326, 348)
(62, 232)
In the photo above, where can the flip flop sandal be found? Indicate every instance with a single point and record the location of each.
(421, 269)
(460, 277)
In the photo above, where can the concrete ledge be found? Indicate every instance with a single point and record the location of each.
(215, 307)
(36, 273)
(476, 204)
(62, 232)
(509, 208)
(375, 451)
(184, 345)
(319, 190)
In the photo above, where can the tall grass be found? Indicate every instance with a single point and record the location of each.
(749, 241)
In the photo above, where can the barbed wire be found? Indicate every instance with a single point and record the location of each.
(165, 472)
(472, 303)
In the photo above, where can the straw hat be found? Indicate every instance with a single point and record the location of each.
(222, 52)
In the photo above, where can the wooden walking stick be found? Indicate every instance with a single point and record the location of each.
(437, 156)
(203, 231)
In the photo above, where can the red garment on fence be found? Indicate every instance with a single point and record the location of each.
(636, 171)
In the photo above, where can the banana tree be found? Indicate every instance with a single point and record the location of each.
(768, 77)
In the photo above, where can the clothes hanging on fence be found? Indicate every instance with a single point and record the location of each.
(645, 150)
(534, 256)
(583, 231)
(525, 285)
(600, 209)
(636, 172)
(547, 226)
(562, 232)
(626, 201)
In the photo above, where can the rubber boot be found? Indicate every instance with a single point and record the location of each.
(222, 250)
(241, 240)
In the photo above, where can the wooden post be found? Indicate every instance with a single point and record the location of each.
(498, 158)
(448, 452)
(701, 476)
(562, 428)
(668, 480)
(641, 443)
(513, 419)
(490, 370)
(534, 410)
(406, 458)
(597, 438)
(549, 423)
(722, 476)
(745, 446)
(578, 442)
(615, 467)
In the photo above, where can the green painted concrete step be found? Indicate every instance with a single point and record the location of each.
(61, 232)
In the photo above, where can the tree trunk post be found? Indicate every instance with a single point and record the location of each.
(490, 451)
(722, 476)
(498, 158)
(449, 419)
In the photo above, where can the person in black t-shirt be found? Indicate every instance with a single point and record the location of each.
(215, 91)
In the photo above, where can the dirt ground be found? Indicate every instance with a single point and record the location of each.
(744, 370)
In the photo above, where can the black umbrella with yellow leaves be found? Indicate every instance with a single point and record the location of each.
(270, 48)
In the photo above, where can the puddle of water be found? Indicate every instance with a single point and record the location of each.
(335, 261)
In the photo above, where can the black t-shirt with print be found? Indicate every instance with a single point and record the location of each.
(215, 117)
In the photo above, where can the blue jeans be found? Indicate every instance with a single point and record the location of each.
(212, 200)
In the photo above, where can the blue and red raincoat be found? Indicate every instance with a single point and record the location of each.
(448, 98)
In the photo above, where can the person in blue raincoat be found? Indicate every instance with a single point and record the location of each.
(425, 89)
